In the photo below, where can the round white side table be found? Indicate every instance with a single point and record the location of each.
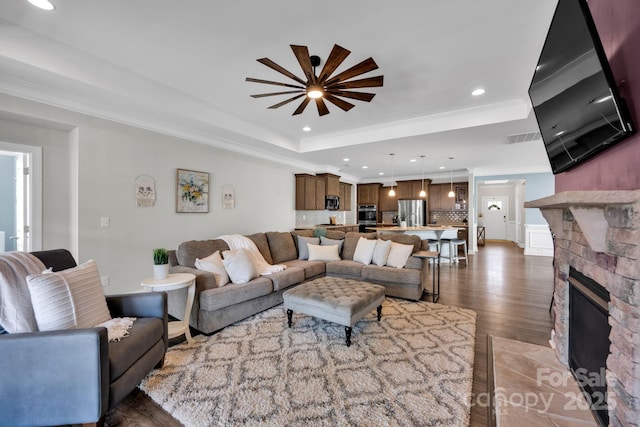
(172, 283)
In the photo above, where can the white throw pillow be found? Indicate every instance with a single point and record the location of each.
(323, 253)
(399, 254)
(303, 250)
(364, 250)
(381, 252)
(213, 264)
(239, 265)
(68, 299)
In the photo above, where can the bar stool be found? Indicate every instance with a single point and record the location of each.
(453, 250)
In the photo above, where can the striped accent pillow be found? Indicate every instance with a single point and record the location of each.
(68, 299)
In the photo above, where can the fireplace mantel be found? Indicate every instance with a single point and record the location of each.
(588, 209)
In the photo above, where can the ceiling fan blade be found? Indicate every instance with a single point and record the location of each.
(302, 55)
(262, 95)
(302, 106)
(368, 82)
(286, 101)
(360, 96)
(337, 55)
(269, 63)
(346, 106)
(322, 107)
(269, 82)
(363, 67)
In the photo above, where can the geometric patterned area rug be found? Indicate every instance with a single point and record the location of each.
(413, 368)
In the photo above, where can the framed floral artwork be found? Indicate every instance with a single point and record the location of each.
(192, 191)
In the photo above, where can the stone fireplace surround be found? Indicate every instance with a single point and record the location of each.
(598, 233)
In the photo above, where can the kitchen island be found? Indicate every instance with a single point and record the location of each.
(428, 232)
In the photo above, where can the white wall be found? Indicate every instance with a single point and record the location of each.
(89, 168)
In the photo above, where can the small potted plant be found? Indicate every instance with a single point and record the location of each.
(160, 264)
(403, 220)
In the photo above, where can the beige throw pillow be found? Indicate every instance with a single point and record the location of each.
(213, 264)
(323, 253)
(68, 299)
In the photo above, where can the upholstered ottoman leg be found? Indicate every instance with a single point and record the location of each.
(347, 330)
(379, 310)
(289, 315)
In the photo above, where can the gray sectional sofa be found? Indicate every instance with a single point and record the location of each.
(215, 307)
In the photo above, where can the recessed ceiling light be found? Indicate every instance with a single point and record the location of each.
(306, 129)
(478, 92)
(365, 167)
(380, 173)
(346, 159)
(442, 167)
(42, 4)
(413, 160)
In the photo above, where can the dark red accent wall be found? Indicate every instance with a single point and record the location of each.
(618, 168)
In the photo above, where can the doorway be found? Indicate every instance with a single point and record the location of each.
(20, 201)
(495, 211)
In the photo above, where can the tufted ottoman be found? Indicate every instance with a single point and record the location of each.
(343, 301)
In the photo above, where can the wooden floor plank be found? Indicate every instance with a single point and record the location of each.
(510, 292)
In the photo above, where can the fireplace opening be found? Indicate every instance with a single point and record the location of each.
(589, 340)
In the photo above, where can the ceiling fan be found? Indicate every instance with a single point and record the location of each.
(322, 87)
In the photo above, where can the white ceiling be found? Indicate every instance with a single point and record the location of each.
(179, 67)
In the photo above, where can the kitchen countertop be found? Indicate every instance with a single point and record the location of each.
(312, 227)
(419, 228)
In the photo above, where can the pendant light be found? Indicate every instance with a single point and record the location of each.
(451, 193)
(422, 192)
(392, 192)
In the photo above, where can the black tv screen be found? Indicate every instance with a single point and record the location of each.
(574, 96)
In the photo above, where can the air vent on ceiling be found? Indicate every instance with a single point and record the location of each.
(522, 137)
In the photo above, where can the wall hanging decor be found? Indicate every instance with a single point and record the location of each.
(228, 197)
(192, 191)
(145, 188)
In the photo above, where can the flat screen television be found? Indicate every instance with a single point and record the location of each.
(574, 96)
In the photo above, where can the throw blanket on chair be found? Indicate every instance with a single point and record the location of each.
(16, 312)
(238, 241)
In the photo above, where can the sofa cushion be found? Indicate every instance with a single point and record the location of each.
(68, 299)
(302, 244)
(217, 298)
(144, 333)
(260, 239)
(351, 241)
(281, 246)
(311, 268)
(377, 274)
(188, 251)
(344, 268)
(289, 277)
(405, 239)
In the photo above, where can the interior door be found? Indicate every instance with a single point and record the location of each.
(495, 211)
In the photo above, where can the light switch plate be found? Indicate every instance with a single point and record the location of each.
(104, 221)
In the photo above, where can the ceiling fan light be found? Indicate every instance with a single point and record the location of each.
(315, 92)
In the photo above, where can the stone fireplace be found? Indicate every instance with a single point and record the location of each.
(598, 234)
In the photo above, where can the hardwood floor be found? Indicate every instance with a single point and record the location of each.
(510, 292)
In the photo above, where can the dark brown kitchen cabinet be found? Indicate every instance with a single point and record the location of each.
(368, 194)
(345, 196)
(332, 184)
(310, 192)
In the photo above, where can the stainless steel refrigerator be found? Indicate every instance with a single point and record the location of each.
(414, 212)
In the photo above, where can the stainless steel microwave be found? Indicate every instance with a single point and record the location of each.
(332, 203)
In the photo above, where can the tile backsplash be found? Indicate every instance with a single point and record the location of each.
(448, 217)
(309, 218)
